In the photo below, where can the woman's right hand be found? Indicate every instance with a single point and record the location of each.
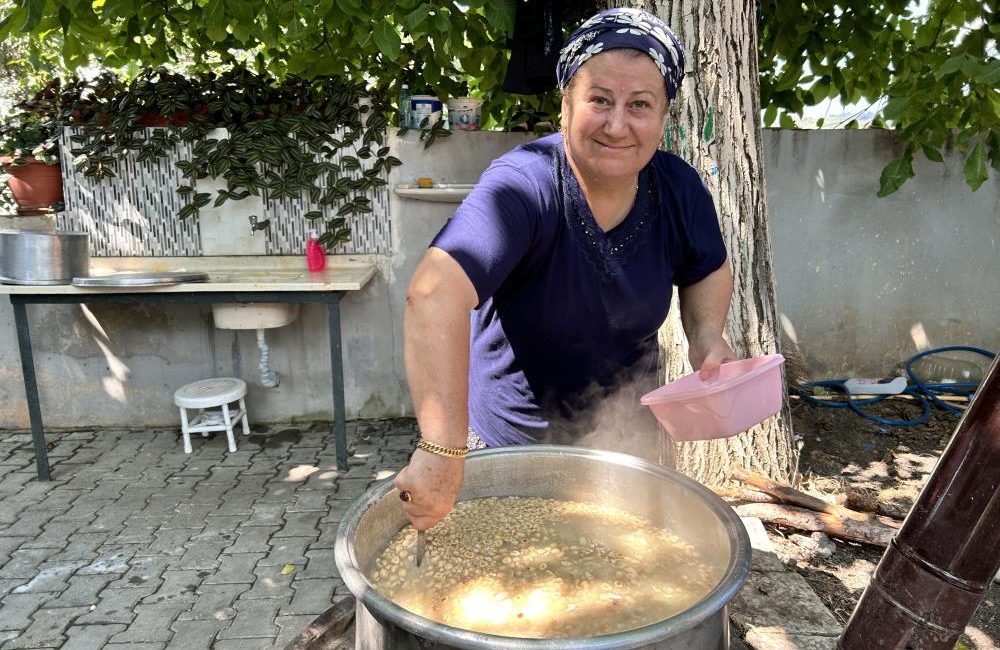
(433, 482)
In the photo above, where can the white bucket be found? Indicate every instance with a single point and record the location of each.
(464, 113)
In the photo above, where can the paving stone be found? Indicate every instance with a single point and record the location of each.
(177, 587)
(223, 526)
(252, 539)
(109, 519)
(782, 600)
(90, 637)
(143, 571)
(290, 627)
(8, 586)
(47, 628)
(139, 530)
(320, 564)
(270, 584)
(215, 601)
(311, 501)
(84, 506)
(261, 643)
(82, 592)
(195, 634)
(287, 550)
(110, 488)
(254, 619)
(10, 544)
(18, 608)
(170, 542)
(267, 514)
(201, 555)
(56, 533)
(113, 560)
(189, 516)
(300, 524)
(136, 646)
(82, 546)
(24, 563)
(151, 623)
(351, 488)
(50, 577)
(30, 523)
(236, 503)
(116, 606)
(311, 596)
(10, 506)
(235, 569)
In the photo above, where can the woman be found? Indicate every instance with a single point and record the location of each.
(565, 255)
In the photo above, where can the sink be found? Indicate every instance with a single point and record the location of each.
(441, 192)
(254, 315)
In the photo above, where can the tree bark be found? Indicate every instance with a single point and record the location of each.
(714, 124)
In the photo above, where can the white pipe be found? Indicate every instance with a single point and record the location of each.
(268, 377)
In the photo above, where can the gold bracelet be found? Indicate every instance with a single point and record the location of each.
(441, 450)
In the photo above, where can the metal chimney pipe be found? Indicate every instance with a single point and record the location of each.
(937, 569)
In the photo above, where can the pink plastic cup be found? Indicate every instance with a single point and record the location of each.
(743, 393)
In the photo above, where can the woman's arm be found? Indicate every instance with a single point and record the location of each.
(704, 307)
(436, 354)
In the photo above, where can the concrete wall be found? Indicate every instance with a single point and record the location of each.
(862, 283)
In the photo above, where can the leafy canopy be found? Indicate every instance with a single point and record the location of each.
(933, 77)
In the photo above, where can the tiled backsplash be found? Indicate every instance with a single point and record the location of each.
(134, 214)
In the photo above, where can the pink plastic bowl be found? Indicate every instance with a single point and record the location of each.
(742, 394)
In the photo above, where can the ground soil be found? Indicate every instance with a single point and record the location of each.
(848, 458)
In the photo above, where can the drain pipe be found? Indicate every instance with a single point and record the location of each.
(268, 377)
(936, 571)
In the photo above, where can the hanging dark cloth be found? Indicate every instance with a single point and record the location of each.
(536, 41)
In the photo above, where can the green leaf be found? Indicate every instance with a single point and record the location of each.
(787, 122)
(387, 40)
(770, 114)
(931, 152)
(975, 167)
(895, 174)
(895, 108)
(215, 21)
(36, 10)
(417, 17)
(500, 15)
(288, 568)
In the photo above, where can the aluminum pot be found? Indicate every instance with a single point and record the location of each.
(43, 257)
(631, 484)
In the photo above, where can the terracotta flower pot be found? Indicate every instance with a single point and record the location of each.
(36, 187)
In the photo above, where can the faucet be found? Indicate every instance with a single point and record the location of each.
(258, 225)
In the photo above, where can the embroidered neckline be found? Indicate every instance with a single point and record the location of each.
(607, 251)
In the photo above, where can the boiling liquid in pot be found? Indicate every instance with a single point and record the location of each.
(542, 568)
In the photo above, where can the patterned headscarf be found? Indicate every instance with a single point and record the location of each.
(624, 28)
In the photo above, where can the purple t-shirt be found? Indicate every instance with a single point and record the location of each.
(567, 312)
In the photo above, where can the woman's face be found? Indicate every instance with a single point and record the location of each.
(613, 116)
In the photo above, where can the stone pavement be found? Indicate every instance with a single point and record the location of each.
(136, 546)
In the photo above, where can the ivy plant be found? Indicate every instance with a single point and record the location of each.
(278, 139)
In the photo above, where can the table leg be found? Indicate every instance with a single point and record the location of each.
(337, 372)
(31, 390)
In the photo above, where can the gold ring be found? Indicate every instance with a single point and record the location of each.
(404, 495)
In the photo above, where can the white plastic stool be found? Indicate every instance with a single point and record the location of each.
(210, 393)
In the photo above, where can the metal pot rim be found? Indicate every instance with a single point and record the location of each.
(732, 579)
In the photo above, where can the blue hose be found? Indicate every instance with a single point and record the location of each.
(925, 394)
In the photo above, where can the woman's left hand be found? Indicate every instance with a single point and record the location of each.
(706, 356)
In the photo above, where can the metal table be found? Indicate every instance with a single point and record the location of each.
(20, 296)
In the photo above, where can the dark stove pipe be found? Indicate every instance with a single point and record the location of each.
(939, 566)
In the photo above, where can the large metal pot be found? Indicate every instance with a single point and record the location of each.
(43, 257)
(567, 473)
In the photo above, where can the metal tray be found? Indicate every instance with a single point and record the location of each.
(144, 279)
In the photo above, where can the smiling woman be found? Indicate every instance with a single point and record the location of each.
(560, 264)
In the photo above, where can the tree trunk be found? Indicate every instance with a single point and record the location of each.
(714, 124)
